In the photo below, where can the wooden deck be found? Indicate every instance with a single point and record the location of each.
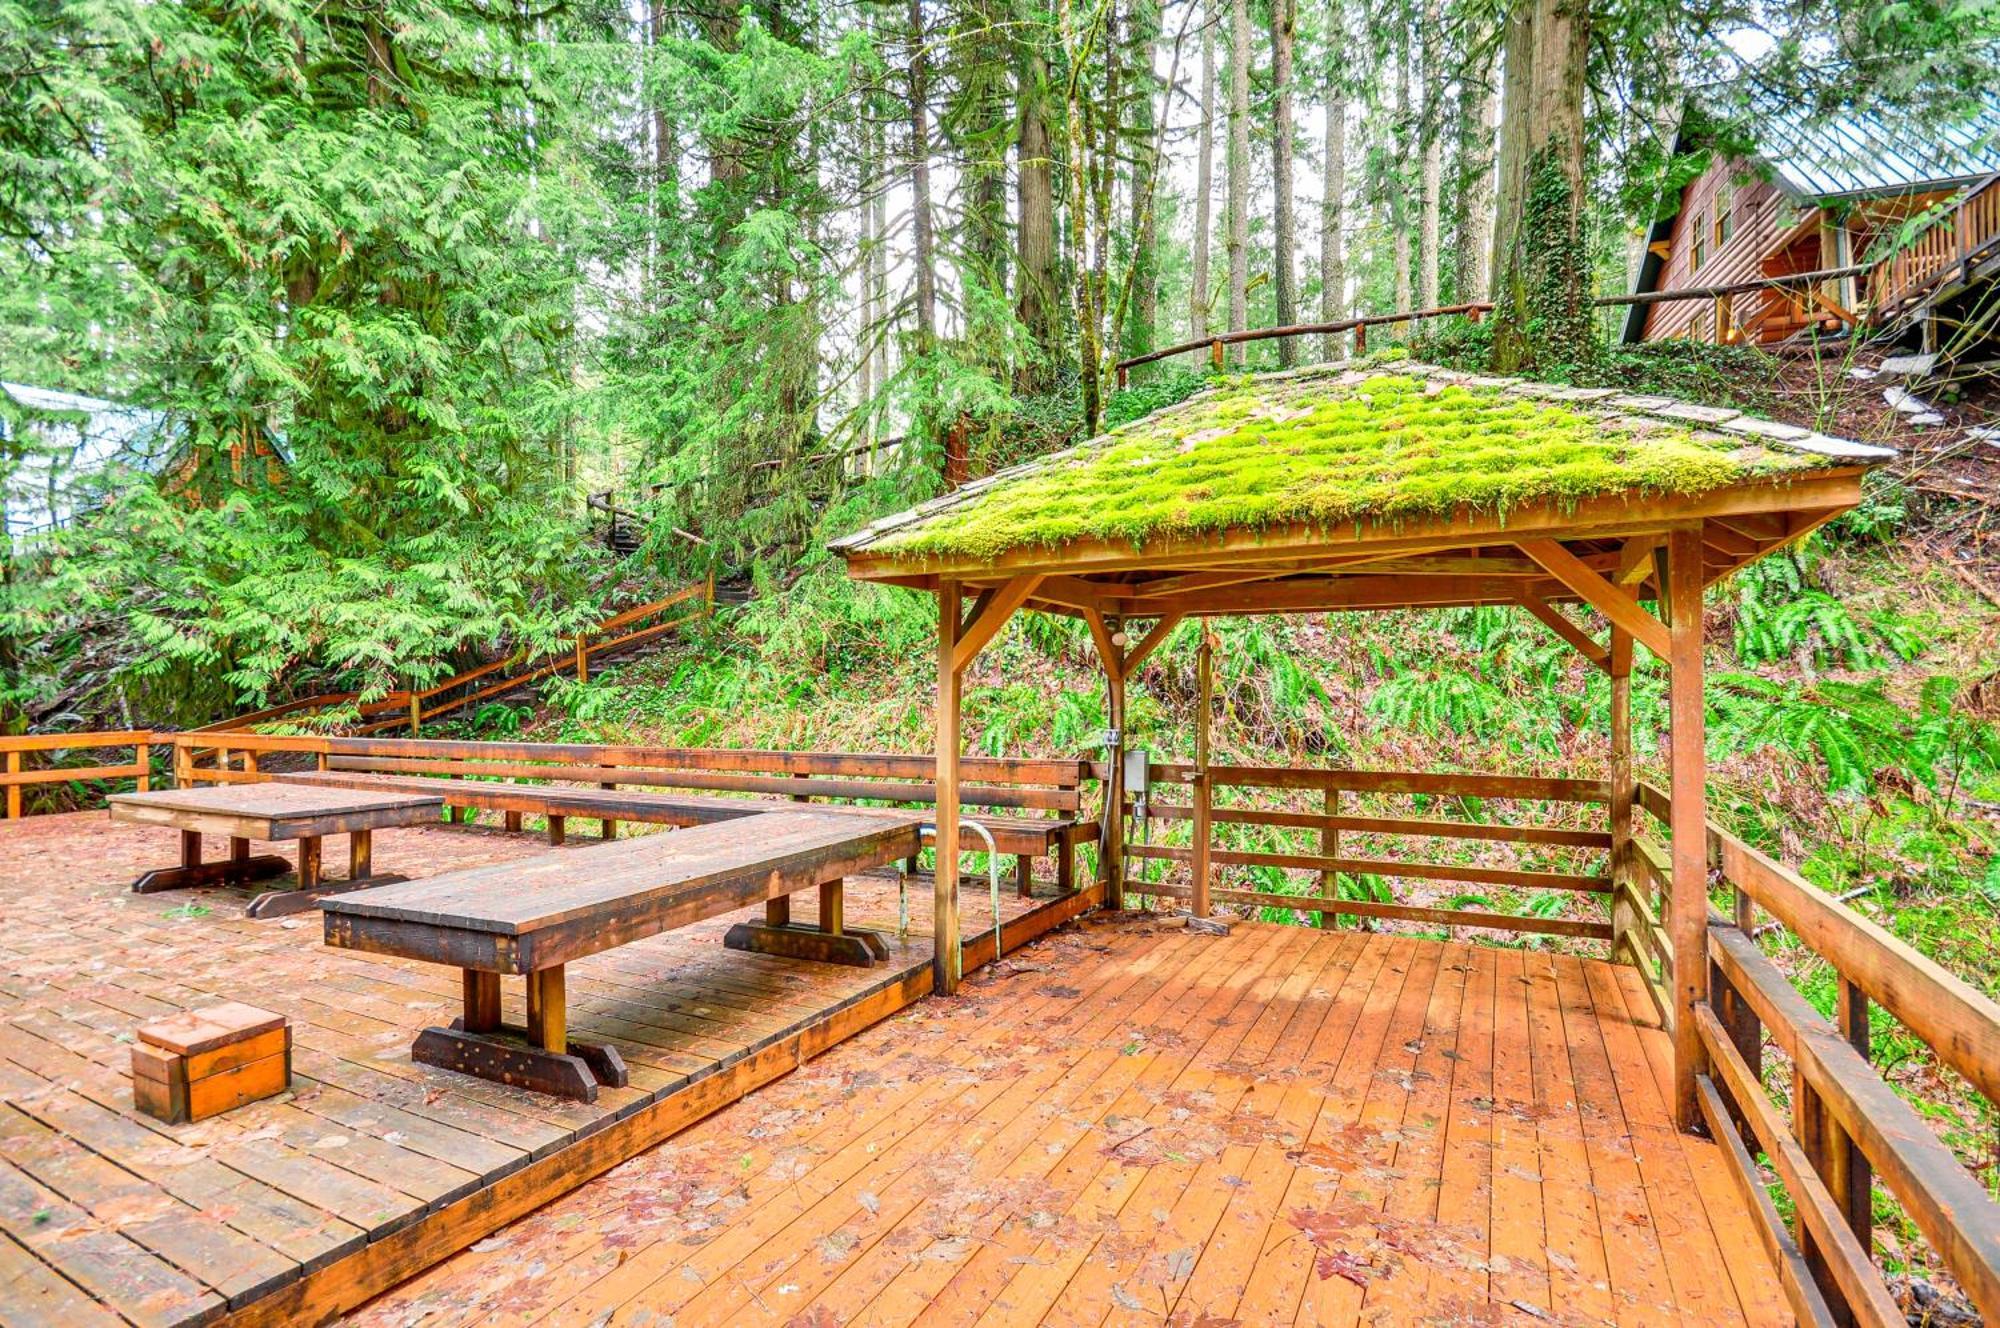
(373, 1168)
(1127, 1123)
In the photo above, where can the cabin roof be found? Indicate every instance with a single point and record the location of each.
(1319, 461)
(1862, 153)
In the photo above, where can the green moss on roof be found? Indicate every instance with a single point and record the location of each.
(1330, 447)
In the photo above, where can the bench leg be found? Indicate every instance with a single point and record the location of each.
(190, 848)
(556, 828)
(360, 854)
(1065, 866)
(513, 822)
(1024, 877)
(239, 849)
(610, 828)
(239, 868)
(540, 1056)
(309, 861)
(831, 942)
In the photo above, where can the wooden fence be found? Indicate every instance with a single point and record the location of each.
(1846, 1128)
(409, 709)
(1209, 804)
(20, 772)
(1967, 231)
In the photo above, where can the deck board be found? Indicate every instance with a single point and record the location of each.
(1139, 1125)
(109, 1216)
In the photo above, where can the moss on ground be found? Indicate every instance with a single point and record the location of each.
(1329, 447)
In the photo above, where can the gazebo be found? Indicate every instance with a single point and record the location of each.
(1379, 485)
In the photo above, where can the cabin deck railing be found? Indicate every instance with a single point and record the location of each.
(25, 756)
(1846, 1128)
(1229, 796)
(1964, 233)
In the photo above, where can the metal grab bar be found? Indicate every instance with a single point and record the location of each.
(992, 882)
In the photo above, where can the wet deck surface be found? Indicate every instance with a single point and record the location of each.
(1126, 1123)
(107, 1215)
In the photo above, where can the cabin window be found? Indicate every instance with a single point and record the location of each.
(1725, 214)
(1700, 240)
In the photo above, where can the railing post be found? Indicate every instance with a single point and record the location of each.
(582, 662)
(416, 713)
(1329, 847)
(1360, 340)
(143, 758)
(1624, 917)
(13, 790)
(1215, 354)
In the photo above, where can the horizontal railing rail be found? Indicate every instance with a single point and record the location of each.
(19, 774)
(1846, 1127)
(1201, 812)
(409, 708)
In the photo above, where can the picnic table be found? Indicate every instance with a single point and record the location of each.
(270, 813)
(534, 916)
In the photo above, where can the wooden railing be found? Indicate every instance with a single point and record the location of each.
(1846, 1128)
(1209, 804)
(1966, 232)
(17, 749)
(409, 709)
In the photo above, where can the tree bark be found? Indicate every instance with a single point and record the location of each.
(921, 225)
(1478, 102)
(1399, 187)
(1541, 262)
(1204, 181)
(1432, 149)
(1332, 252)
(1285, 283)
(1035, 238)
(1239, 171)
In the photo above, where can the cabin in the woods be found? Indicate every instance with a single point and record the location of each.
(62, 454)
(1917, 215)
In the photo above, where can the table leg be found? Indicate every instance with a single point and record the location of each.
(313, 885)
(360, 854)
(831, 942)
(482, 1001)
(539, 1056)
(557, 825)
(548, 1010)
(239, 868)
(309, 862)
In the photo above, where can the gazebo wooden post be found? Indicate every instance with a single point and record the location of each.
(945, 956)
(1204, 671)
(1688, 921)
(1111, 861)
(1624, 918)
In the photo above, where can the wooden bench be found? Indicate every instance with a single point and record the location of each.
(1032, 807)
(534, 917)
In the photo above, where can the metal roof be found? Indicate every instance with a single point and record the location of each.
(1863, 152)
(77, 447)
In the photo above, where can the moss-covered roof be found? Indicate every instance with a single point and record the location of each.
(1338, 444)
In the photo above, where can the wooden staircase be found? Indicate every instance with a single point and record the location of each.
(619, 637)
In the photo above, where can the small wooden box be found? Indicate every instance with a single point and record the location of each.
(205, 1062)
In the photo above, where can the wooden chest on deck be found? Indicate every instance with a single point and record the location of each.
(205, 1062)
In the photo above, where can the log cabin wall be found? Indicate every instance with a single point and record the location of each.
(1729, 221)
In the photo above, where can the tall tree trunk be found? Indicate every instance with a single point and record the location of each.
(1204, 181)
(1541, 254)
(1239, 170)
(1431, 138)
(1285, 284)
(923, 236)
(878, 255)
(866, 238)
(1399, 186)
(1477, 104)
(1085, 192)
(1332, 253)
(1035, 238)
(1136, 331)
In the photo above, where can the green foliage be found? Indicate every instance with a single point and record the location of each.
(1856, 730)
